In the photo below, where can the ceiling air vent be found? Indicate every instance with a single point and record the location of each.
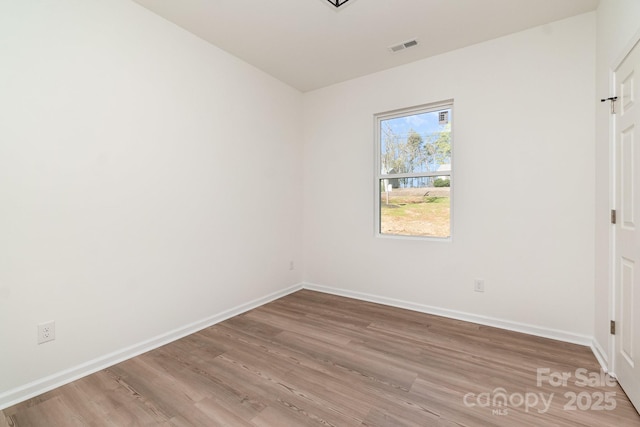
(404, 45)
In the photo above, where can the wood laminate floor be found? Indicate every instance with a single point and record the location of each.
(312, 359)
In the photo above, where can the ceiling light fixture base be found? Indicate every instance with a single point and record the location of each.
(337, 3)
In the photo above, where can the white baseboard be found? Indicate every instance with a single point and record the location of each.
(42, 385)
(600, 355)
(459, 315)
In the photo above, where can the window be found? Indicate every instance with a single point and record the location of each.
(413, 171)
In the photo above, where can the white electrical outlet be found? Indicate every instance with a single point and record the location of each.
(291, 266)
(478, 285)
(46, 332)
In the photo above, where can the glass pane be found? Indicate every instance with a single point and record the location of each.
(416, 143)
(415, 206)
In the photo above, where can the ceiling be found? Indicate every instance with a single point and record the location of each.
(310, 44)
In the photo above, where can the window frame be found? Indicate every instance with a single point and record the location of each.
(378, 175)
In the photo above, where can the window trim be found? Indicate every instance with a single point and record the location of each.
(377, 174)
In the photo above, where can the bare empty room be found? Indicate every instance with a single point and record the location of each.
(319, 212)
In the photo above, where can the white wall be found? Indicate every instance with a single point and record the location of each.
(618, 23)
(148, 180)
(523, 170)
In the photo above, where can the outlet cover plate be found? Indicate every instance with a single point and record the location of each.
(46, 332)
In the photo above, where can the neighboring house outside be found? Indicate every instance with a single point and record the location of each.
(444, 168)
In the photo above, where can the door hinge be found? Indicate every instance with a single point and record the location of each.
(613, 327)
(613, 216)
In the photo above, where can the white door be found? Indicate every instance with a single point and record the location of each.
(627, 247)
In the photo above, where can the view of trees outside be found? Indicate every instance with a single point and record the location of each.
(416, 144)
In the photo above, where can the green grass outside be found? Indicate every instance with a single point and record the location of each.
(415, 215)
